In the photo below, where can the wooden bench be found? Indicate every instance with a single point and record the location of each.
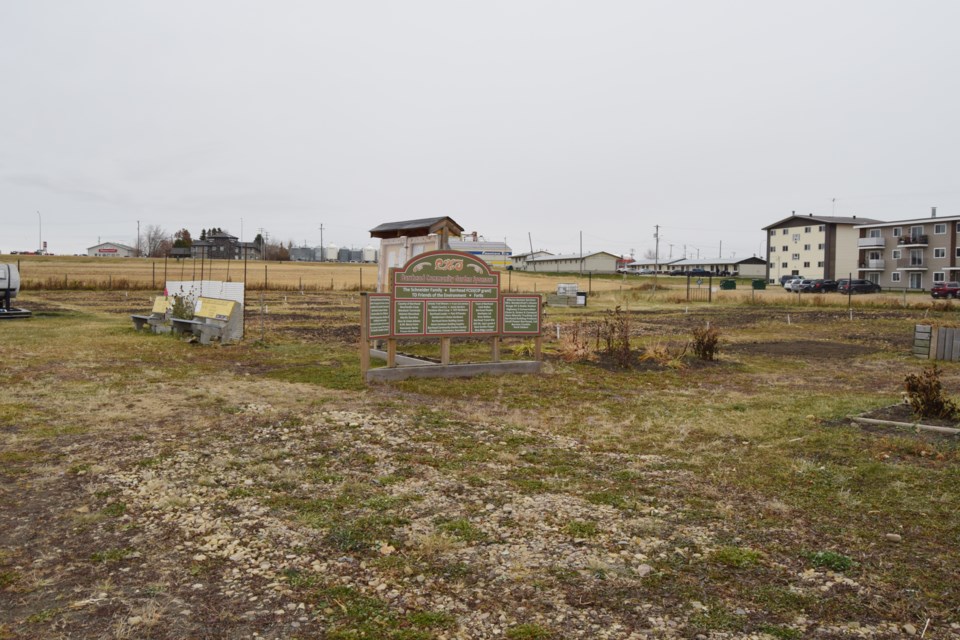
(157, 320)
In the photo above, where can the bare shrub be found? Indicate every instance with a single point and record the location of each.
(614, 331)
(926, 397)
(575, 344)
(706, 343)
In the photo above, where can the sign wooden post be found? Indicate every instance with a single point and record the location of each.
(446, 294)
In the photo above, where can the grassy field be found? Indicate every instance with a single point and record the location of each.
(153, 488)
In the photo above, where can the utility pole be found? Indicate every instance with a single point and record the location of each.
(530, 238)
(138, 239)
(581, 253)
(656, 254)
(721, 250)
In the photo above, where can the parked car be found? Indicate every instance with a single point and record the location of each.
(678, 272)
(858, 286)
(646, 272)
(818, 286)
(699, 272)
(803, 286)
(945, 290)
(788, 284)
(785, 279)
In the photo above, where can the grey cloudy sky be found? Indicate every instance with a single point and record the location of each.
(709, 118)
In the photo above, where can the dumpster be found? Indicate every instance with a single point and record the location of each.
(759, 284)
(728, 284)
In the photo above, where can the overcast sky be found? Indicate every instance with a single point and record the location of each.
(710, 118)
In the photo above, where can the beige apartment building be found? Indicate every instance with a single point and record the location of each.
(813, 246)
(913, 254)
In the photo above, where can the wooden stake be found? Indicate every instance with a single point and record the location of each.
(444, 350)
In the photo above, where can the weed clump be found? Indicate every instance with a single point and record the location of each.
(926, 397)
(832, 560)
(706, 343)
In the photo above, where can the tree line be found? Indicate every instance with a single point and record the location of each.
(157, 242)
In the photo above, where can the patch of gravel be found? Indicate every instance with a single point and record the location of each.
(208, 518)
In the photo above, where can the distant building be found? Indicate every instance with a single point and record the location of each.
(111, 250)
(813, 246)
(303, 254)
(519, 261)
(223, 246)
(494, 253)
(595, 262)
(752, 267)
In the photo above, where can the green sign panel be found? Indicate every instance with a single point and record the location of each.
(446, 317)
(408, 318)
(521, 315)
(444, 293)
(449, 293)
(486, 317)
(379, 318)
(446, 269)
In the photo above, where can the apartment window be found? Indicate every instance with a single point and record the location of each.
(958, 252)
(916, 257)
(916, 281)
(796, 238)
(958, 227)
(938, 277)
(895, 276)
(820, 264)
(773, 232)
(916, 231)
(821, 227)
(783, 265)
(806, 229)
(873, 255)
(783, 232)
(820, 246)
(873, 233)
(795, 256)
(896, 254)
(806, 265)
(786, 248)
(897, 231)
(940, 253)
(940, 228)
(806, 247)
(771, 265)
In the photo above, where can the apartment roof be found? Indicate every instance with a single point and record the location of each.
(896, 223)
(853, 220)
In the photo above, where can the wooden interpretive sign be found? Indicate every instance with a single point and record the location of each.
(446, 294)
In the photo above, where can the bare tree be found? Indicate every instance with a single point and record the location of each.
(154, 240)
(650, 254)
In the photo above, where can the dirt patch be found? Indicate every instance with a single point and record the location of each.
(808, 349)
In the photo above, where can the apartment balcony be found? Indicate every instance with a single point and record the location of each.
(914, 264)
(872, 265)
(913, 241)
(871, 243)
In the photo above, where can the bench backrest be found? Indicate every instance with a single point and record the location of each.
(161, 305)
(214, 309)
